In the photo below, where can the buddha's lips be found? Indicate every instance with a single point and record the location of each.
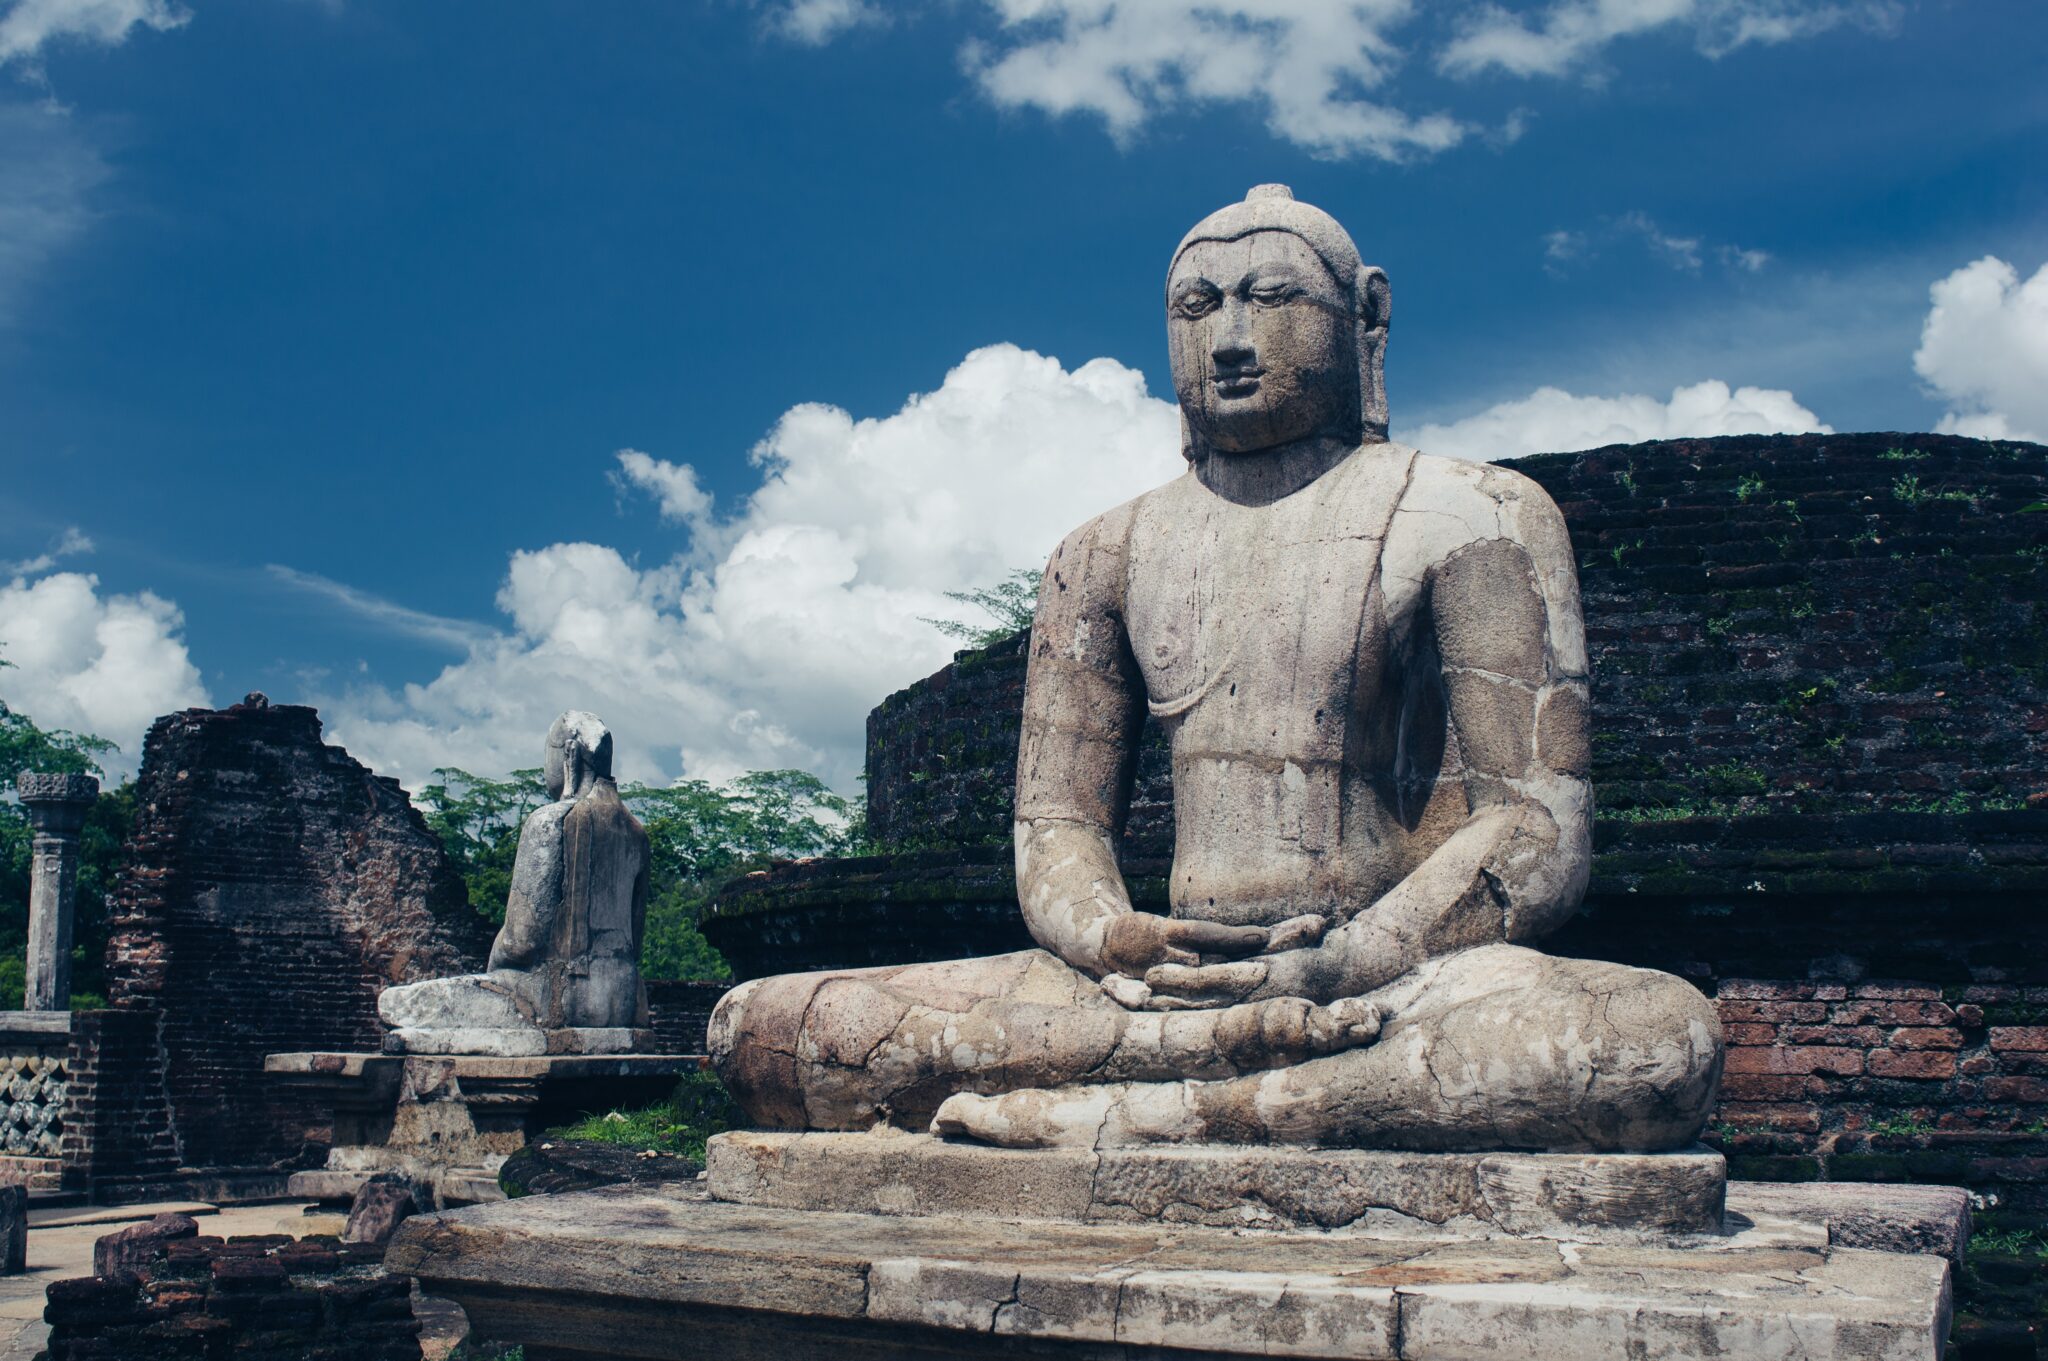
(1238, 383)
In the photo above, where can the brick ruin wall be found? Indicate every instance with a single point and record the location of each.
(273, 887)
(258, 1298)
(1820, 683)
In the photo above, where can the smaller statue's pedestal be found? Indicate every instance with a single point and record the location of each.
(451, 1120)
(912, 1248)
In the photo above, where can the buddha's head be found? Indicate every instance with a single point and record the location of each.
(1277, 331)
(579, 754)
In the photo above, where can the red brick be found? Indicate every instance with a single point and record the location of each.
(1857, 1036)
(1761, 1087)
(2030, 1089)
(2027, 1037)
(1899, 992)
(1927, 1037)
(1977, 1065)
(1773, 1012)
(1969, 1014)
(1921, 1064)
(1749, 1033)
(1770, 990)
(1796, 1059)
(1866, 1012)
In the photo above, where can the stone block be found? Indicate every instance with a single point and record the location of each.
(1882, 1218)
(13, 1229)
(127, 1251)
(655, 1273)
(1580, 1196)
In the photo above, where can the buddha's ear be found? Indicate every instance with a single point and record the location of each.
(1375, 304)
(1375, 298)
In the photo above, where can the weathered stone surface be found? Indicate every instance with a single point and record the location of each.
(1587, 1197)
(13, 1229)
(1370, 666)
(129, 1250)
(383, 1203)
(565, 969)
(589, 1272)
(1883, 1218)
(56, 805)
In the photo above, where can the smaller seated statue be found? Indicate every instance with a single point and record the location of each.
(564, 973)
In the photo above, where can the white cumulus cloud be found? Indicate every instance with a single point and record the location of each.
(770, 635)
(96, 663)
(1551, 420)
(1984, 347)
(1303, 63)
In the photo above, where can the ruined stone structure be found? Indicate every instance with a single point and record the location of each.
(265, 1296)
(1820, 692)
(275, 886)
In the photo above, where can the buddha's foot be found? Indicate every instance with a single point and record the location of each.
(1074, 1117)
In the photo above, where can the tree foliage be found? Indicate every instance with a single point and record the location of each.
(1009, 605)
(700, 836)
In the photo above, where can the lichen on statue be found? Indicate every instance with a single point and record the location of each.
(1371, 667)
(564, 972)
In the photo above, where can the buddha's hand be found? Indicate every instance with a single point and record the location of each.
(1138, 941)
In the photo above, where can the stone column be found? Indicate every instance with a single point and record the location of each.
(56, 807)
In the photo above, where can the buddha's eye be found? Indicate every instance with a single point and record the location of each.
(1197, 302)
(1274, 294)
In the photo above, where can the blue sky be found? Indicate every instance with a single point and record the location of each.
(322, 326)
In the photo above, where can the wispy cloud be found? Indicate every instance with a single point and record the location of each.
(1566, 247)
(387, 615)
(1568, 37)
(72, 542)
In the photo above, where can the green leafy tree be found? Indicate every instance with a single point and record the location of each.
(478, 821)
(700, 836)
(1009, 605)
(26, 746)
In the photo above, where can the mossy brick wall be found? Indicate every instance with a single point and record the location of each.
(273, 886)
(1820, 706)
(269, 1298)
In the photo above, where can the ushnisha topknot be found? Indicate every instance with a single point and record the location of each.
(1273, 208)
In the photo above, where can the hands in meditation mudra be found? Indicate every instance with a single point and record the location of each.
(1372, 668)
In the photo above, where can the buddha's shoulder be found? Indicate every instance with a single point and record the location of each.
(1472, 501)
(1111, 530)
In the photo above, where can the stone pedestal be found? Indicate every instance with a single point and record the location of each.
(450, 1121)
(56, 806)
(918, 1249)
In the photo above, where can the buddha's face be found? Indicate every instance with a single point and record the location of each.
(1262, 341)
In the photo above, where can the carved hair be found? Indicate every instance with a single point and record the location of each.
(1273, 208)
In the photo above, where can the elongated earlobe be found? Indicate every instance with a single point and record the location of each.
(1375, 305)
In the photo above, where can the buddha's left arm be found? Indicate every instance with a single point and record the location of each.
(1504, 615)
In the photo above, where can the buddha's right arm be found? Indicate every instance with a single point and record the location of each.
(1084, 703)
(529, 903)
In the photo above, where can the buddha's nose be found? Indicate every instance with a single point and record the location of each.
(1230, 345)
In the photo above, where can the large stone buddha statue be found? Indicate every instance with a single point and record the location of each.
(1372, 668)
(564, 971)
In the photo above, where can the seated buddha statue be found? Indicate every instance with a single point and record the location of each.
(564, 971)
(1371, 667)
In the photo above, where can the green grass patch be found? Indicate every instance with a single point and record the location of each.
(700, 1108)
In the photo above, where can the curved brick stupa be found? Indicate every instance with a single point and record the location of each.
(1820, 688)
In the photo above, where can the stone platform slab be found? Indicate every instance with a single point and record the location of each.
(667, 1273)
(1584, 1197)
